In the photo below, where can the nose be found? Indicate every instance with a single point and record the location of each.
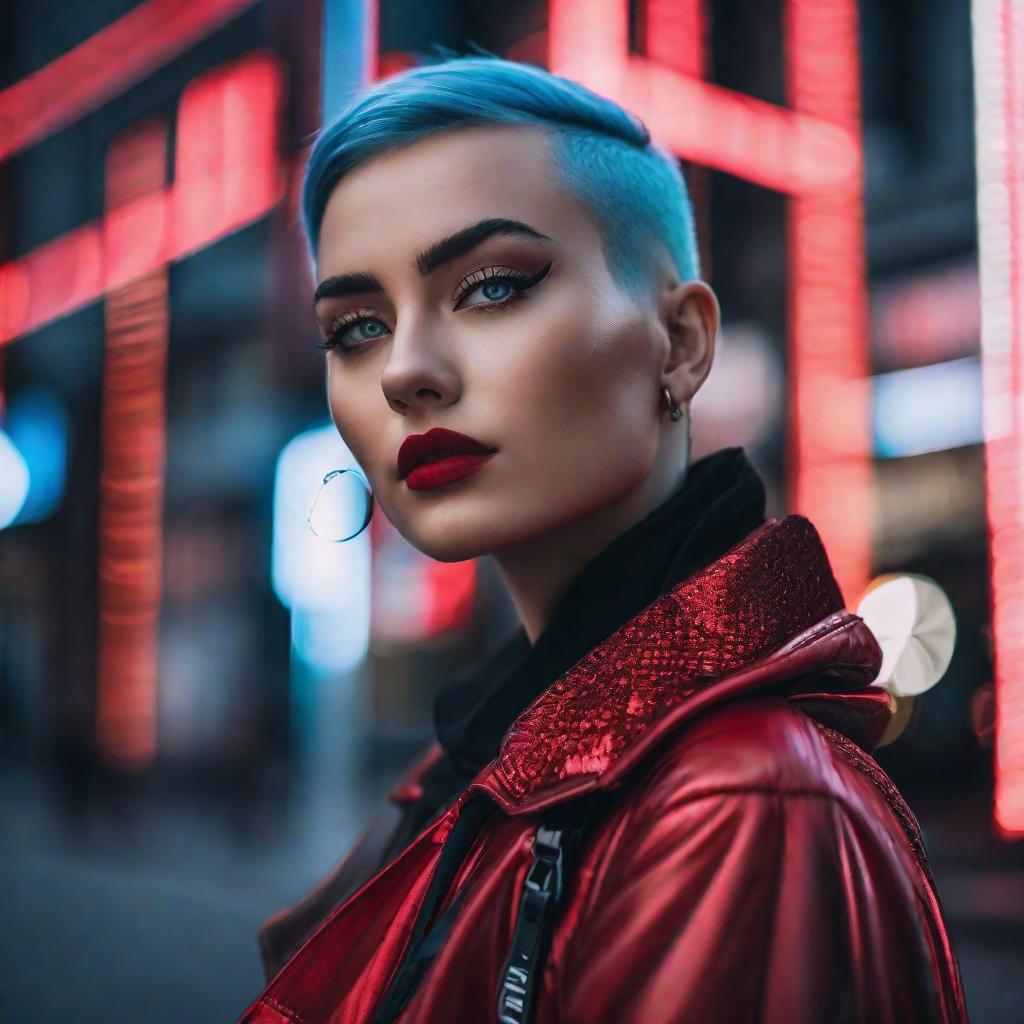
(419, 375)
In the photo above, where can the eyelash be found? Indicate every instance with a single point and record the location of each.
(506, 275)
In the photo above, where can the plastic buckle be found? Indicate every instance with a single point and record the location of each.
(545, 874)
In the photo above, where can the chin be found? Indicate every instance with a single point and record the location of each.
(445, 538)
(460, 537)
(460, 527)
(454, 547)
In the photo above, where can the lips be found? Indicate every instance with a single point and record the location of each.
(418, 449)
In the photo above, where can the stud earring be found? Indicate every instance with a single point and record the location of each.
(674, 411)
(342, 507)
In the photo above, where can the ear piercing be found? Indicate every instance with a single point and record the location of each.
(674, 411)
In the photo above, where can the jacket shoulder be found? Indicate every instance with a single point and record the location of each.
(763, 744)
(755, 874)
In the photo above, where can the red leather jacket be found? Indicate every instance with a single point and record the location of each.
(752, 863)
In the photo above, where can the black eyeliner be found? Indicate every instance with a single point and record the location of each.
(538, 277)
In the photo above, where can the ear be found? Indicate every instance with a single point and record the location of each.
(691, 315)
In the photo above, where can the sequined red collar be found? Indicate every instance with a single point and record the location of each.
(767, 612)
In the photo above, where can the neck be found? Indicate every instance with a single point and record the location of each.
(537, 572)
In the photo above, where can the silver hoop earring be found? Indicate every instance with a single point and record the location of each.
(342, 507)
(674, 411)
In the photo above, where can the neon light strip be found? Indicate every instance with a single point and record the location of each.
(351, 47)
(133, 439)
(225, 171)
(998, 41)
(217, 190)
(794, 153)
(675, 34)
(102, 67)
(830, 403)
(752, 140)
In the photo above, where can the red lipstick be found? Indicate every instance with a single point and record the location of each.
(439, 457)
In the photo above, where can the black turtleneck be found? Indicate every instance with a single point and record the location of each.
(720, 500)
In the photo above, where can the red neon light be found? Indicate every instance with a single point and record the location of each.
(392, 61)
(226, 163)
(450, 589)
(104, 66)
(674, 34)
(787, 151)
(998, 39)
(415, 598)
(230, 175)
(226, 174)
(930, 318)
(830, 442)
(133, 438)
(810, 151)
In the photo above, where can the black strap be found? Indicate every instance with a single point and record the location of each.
(555, 847)
(424, 946)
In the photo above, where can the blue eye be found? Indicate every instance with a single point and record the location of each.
(499, 288)
(495, 290)
(370, 327)
(500, 285)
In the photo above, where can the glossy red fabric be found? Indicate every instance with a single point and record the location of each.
(752, 863)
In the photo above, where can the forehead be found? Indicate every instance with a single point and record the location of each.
(397, 203)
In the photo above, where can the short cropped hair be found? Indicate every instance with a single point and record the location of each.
(603, 154)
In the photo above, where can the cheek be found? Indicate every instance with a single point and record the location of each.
(578, 417)
(356, 415)
(589, 384)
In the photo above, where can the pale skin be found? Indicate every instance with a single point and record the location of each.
(566, 383)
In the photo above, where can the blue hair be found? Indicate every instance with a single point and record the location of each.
(603, 155)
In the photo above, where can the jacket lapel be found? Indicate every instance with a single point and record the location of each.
(768, 612)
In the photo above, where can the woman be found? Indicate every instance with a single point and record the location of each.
(653, 804)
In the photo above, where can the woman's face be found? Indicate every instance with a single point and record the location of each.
(561, 379)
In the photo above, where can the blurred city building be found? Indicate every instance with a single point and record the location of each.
(200, 699)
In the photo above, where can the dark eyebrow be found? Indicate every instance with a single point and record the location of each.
(443, 251)
(467, 239)
(343, 285)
